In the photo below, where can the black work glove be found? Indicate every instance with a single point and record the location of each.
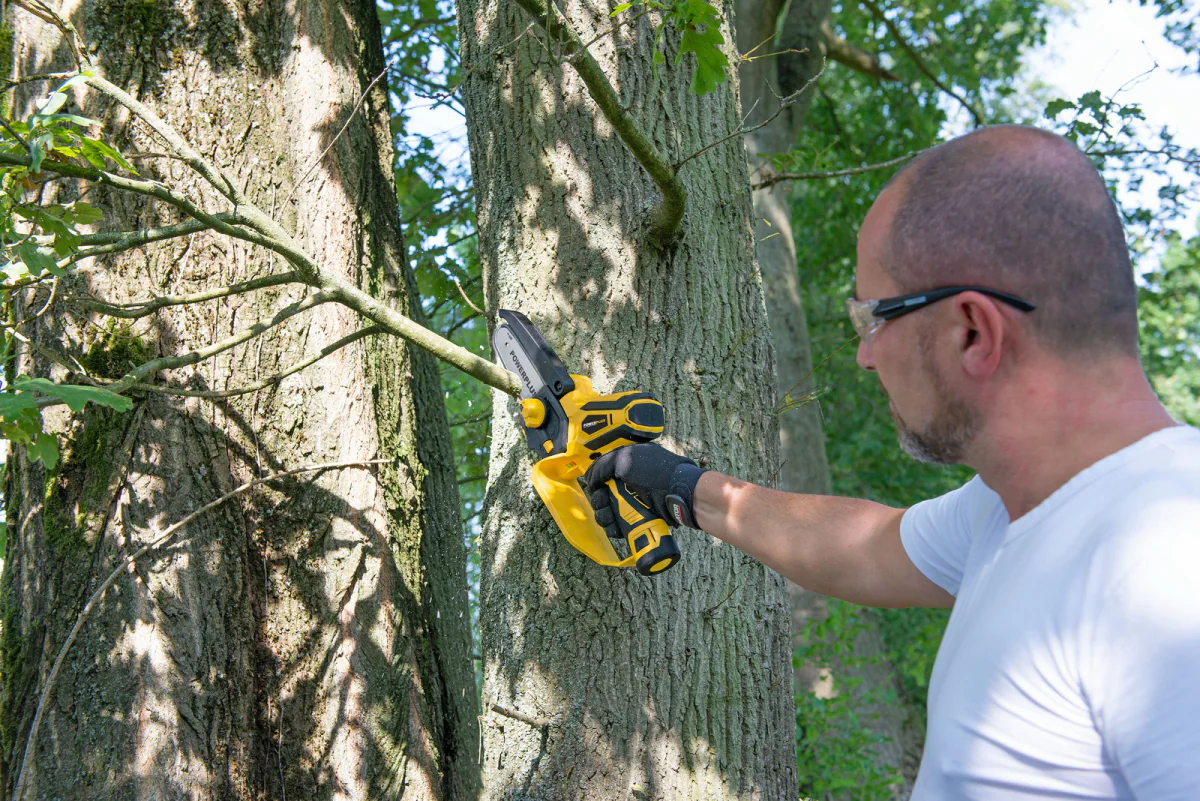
(664, 480)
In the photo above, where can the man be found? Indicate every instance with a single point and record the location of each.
(1071, 664)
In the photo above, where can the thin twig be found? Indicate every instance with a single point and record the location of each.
(162, 539)
(266, 382)
(463, 292)
(47, 14)
(813, 176)
(317, 162)
(144, 308)
(742, 131)
(613, 28)
(919, 61)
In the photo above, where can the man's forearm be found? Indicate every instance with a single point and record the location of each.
(843, 547)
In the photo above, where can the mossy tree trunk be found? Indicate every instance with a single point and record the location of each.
(803, 38)
(309, 640)
(599, 683)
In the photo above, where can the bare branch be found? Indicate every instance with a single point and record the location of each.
(144, 308)
(160, 541)
(463, 292)
(848, 55)
(266, 382)
(140, 372)
(216, 177)
(478, 418)
(776, 178)
(669, 214)
(46, 13)
(783, 104)
(919, 61)
(268, 233)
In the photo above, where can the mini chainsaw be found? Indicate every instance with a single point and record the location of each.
(567, 425)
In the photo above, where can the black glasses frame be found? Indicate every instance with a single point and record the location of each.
(891, 308)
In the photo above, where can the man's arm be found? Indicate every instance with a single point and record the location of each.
(843, 547)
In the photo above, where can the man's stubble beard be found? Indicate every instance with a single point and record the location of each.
(945, 440)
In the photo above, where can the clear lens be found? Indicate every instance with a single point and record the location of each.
(862, 317)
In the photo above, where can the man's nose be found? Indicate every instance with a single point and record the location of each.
(865, 356)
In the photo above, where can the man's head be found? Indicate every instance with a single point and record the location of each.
(1008, 208)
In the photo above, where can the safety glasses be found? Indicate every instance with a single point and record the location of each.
(868, 316)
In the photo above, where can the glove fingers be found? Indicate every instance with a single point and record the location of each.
(600, 472)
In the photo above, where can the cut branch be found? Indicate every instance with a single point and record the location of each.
(266, 382)
(919, 60)
(160, 541)
(669, 214)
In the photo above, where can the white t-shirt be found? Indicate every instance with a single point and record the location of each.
(1070, 668)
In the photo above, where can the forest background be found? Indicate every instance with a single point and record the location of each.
(916, 75)
(1006, 62)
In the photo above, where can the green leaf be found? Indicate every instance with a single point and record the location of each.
(1057, 106)
(44, 449)
(84, 213)
(3, 538)
(74, 80)
(96, 151)
(620, 8)
(52, 104)
(74, 395)
(1091, 100)
(37, 151)
(710, 60)
(15, 270)
(14, 404)
(37, 259)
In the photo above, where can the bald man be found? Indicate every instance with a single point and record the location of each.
(996, 302)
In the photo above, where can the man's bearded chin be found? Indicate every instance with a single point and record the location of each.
(945, 439)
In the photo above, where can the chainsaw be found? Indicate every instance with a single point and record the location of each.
(567, 425)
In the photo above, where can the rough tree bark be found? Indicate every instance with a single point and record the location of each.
(805, 39)
(599, 683)
(310, 640)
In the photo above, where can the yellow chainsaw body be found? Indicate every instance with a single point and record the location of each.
(597, 424)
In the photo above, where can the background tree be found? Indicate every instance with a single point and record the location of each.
(610, 215)
(313, 639)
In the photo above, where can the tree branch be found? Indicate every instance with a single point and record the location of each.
(144, 308)
(846, 54)
(919, 61)
(216, 177)
(160, 541)
(245, 335)
(668, 216)
(776, 178)
(266, 382)
(268, 233)
(783, 104)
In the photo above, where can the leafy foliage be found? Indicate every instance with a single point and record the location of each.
(41, 240)
(700, 27)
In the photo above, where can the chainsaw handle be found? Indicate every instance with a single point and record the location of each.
(650, 540)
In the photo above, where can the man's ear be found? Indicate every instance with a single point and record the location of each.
(979, 333)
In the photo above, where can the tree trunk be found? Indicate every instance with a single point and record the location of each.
(801, 38)
(308, 640)
(599, 683)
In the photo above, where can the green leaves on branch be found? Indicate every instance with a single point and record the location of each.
(700, 24)
(21, 415)
(39, 238)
